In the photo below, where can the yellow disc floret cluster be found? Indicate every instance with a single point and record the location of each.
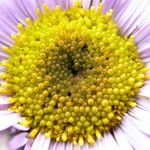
(71, 75)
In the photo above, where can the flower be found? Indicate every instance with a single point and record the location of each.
(37, 106)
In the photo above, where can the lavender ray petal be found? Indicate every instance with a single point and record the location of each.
(29, 11)
(144, 91)
(46, 144)
(20, 127)
(97, 146)
(5, 39)
(100, 144)
(107, 5)
(85, 147)
(65, 4)
(143, 29)
(38, 4)
(40, 142)
(144, 49)
(125, 19)
(71, 3)
(86, 4)
(140, 114)
(142, 126)
(21, 7)
(119, 7)
(53, 145)
(18, 141)
(77, 147)
(50, 3)
(2, 69)
(69, 146)
(5, 33)
(135, 21)
(3, 56)
(14, 12)
(131, 132)
(60, 146)
(144, 103)
(12, 130)
(95, 3)
(4, 100)
(60, 3)
(8, 120)
(122, 140)
(4, 139)
(27, 146)
(5, 112)
(142, 33)
(5, 10)
(4, 107)
(109, 142)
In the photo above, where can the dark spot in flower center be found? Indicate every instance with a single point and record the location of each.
(72, 68)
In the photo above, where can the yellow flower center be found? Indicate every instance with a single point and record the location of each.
(71, 75)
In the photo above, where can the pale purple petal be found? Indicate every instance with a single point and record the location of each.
(46, 144)
(29, 11)
(142, 126)
(63, 4)
(40, 142)
(77, 147)
(144, 91)
(2, 69)
(122, 140)
(53, 145)
(137, 18)
(20, 127)
(27, 146)
(5, 112)
(69, 146)
(107, 5)
(119, 7)
(85, 147)
(86, 4)
(3, 56)
(134, 135)
(13, 12)
(3, 100)
(141, 114)
(109, 142)
(100, 145)
(18, 141)
(125, 19)
(96, 146)
(143, 49)
(144, 103)
(67, 4)
(50, 3)
(71, 3)
(8, 119)
(96, 3)
(4, 106)
(4, 139)
(61, 146)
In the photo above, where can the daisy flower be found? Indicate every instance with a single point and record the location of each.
(75, 74)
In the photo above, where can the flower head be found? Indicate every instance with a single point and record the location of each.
(74, 74)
